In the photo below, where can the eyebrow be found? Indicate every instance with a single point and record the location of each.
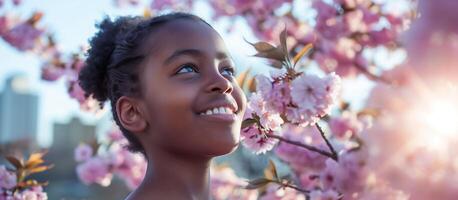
(193, 52)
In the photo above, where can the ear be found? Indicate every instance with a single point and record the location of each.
(129, 115)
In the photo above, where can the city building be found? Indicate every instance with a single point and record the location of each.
(18, 116)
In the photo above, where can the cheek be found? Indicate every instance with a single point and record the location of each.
(240, 98)
(173, 106)
(171, 111)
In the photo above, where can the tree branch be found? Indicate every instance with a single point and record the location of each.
(306, 146)
(283, 184)
(333, 151)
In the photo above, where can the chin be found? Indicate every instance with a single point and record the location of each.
(224, 148)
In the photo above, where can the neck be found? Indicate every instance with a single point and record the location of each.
(175, 176)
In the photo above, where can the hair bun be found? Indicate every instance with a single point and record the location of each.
(93, 76)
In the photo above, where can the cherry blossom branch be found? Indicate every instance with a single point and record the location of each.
(333, 151)
(370, 74)
(285, 184)
(306, 146)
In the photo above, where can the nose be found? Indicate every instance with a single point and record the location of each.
(219, 83)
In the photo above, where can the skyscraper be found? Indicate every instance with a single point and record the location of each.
(18, 113)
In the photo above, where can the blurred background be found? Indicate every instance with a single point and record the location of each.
(37, 114)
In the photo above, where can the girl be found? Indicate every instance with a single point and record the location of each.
(171, 85)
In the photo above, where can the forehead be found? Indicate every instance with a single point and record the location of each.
(184, 34)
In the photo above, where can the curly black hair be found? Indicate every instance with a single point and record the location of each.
(111, 69)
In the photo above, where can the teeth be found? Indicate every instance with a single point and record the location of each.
(219, 110)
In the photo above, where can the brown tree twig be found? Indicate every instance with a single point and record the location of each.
(283, 184)
(333, 151)
(306, 146)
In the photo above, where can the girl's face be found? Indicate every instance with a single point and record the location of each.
(187, 72)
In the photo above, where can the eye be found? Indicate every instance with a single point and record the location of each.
(228, 71)
(187, 68)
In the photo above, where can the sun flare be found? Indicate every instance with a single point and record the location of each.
(442, 117)
(434, 117)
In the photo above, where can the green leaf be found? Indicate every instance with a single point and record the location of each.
(248, 122)
(257, 183)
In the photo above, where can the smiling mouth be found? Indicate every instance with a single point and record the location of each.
(221, 113)
(218, 110)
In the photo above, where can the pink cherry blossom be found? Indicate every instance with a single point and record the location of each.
(263, 85)
(314, 96)
(51, 73)
(300, 159)
(326, 195)
(22, 36)
(340, 56)
(129, 166)
(116, 160)
(5, 194)
(15, 2)
(348, 175)
(346, 125)
(115, 135)
(7, 178)
(309, 180)
(35, 193)
(94, 170)
(77, 92)
(271, 121)
(383, 191)
(225, 184)
(278, 94)
(5, 23)
(256, 105)
(257, 141)
(83, 152)
(276, 193)
(329, 23)
(355, 21)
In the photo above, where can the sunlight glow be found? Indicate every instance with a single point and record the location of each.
(443, 117)
(433, 116)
